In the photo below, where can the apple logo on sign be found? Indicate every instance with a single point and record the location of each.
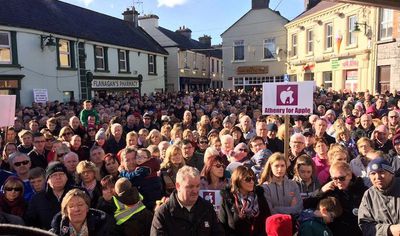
(209, 196)
(287, 95)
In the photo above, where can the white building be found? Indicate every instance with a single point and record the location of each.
(191, 64)
(71, 52)
(254, 48)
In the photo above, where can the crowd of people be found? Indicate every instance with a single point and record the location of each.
(203, 163)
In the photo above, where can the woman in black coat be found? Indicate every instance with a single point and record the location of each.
(244, 208)
(76, 218)
(349, 190)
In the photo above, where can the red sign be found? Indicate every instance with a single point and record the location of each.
(350, 63)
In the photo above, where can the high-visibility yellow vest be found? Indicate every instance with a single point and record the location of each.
(123, 212)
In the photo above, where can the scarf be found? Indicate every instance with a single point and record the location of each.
(247, 206)
(16, 207)
(83, 232)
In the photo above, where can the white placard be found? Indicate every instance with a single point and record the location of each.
(40, 95)
(293, 98)
(213, 196)
(7, 104)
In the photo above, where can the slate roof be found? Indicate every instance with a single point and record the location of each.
(182, 41)
(213, 52)
(317, 8)
(61, 18)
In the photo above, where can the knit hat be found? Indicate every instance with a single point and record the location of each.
(272, 127)
(378, 165)
(226, 120)
(101, 134)
(350, 120)
(54, 167)
(125, 192)
(279, 225)
(396, 139)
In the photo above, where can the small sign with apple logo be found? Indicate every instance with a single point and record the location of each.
(287, 95)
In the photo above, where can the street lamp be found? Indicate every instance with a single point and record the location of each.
(48, 41)
(357, 27)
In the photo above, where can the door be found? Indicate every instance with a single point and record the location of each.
(383, 79)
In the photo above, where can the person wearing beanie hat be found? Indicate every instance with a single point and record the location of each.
(131, 216)
(279, 225)
(227, 123)
(378, 213)
(100, 137)
(46, 204)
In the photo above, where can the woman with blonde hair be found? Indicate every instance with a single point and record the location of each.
(244, 207)
(176, 134)
(172, 162)
(154, 137)
(77, 218)
(282, 194)
(66, 134)
(88, 177)
(166, 132)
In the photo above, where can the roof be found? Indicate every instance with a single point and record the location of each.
(182, 41)
(212, 52)
(317, 8)
(275, 12)
(61, 18)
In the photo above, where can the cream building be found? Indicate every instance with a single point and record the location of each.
(334, 45)
(253, 48)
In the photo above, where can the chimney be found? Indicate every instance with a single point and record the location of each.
(308, 4)
(131, 16)
(206, 40)
(259, 4)
(148, 21)
(185, 32)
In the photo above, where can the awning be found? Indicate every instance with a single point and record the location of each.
(394, 4)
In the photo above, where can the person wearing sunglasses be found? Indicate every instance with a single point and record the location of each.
(12, 197)
(20, 164)
(213, 174)
(66, 134)
(282, 194)
(244, 207)
(349, 190)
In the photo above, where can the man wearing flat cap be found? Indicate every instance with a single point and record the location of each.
(379, 209)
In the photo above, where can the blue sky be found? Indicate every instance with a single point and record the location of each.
(211, 17)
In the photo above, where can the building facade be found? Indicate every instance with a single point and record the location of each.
(388, 47)
(253, 48)
(80, 54)
(191, 64)
(333, 44)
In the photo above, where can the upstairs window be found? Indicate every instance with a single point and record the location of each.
(386, 24)
(99, 58)
(152, 65)
(122, 62)
(269, 48)
(310, 41)
(294, 45)
(238, 50)
(329, 36)
(64, 53)
(351, 35)
(5, 48)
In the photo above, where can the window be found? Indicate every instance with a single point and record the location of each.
(100, 63)
(238, 50)
(351, 35)
(195, 62)
(152, 65)
(327, 79)
(122, 62)
(217, 66)
(5, 48)
(185, 60)
(310, 41)
(64, 53)
(329, 36)
(294, 45)
(212, 66)
(386, 24)
(269, 48)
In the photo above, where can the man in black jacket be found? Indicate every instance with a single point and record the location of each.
(46, 204)
(185, 213)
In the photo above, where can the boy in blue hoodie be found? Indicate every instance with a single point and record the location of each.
(314, 222)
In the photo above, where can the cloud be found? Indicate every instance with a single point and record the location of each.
(86, 2)
(167, 3)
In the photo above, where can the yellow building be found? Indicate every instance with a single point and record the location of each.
(324, 45)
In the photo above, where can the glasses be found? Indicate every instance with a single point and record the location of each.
(219, 165)
(16, 189)
(203, 142)
(249, 179)
(340, 178)
(243, 149)
(20, 163)
(68, 133)
(91, 130)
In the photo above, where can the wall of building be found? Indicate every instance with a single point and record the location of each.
(352, 64)
(172, 69)
(254, 28)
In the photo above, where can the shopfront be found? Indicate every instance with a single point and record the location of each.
(103, 86)
(11, 85)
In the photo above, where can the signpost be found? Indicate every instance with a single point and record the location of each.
(290, 98)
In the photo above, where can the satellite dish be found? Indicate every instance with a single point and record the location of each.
(278, 50)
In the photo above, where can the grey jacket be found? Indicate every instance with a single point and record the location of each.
(280, 197)
(379, 209)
